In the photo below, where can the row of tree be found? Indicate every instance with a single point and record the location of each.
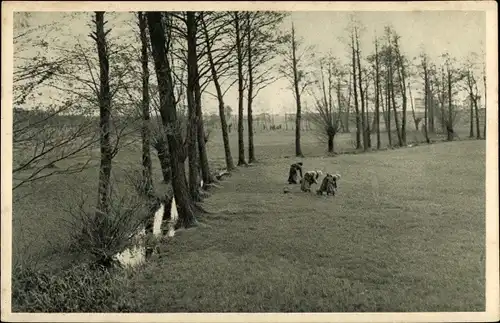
(192, 51)
(209, 46)
(383, 81)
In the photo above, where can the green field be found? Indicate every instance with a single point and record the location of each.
(405, 233)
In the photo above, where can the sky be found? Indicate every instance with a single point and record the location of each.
(436, 32)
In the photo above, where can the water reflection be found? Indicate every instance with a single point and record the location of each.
(136, 255)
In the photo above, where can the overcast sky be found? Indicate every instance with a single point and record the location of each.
(436, 32)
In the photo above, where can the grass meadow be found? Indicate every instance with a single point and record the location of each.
(405, 233)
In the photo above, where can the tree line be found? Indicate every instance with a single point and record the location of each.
(156, 83)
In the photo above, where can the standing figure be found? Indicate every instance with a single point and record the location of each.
(310, 177)
(292, 176)
(329, 185)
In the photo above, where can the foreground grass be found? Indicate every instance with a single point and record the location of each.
(406, 233)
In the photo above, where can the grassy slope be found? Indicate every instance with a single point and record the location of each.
(406, 233)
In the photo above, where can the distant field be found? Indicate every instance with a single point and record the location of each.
(406, 232)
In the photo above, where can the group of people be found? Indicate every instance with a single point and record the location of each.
(328, 184)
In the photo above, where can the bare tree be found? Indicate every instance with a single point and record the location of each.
(146, 131)
(293, 69)
(416, 120)
(160, 46)
(362, 97)
(390, 61)
(355, 89)
(202, 135)
(446, 87)
(427, 94)
(402, 76)
(224, 112)
(326, 117)
(449, 123)
(473, 96)
(261, 47)
(250, 20)
(377, 92)
(387, 113)
(239, 34)
(191, 138)
(105, 114)
(191, 55)
(39, 140)
(347, 119)
(201, 70)
(485, 101)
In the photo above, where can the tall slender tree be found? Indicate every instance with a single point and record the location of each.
(145, 130)
(354, 86)
(239, 34)
(401, 70)
(296, 81)
(160, 46)
(485, 100)
(294, 69)
(362, 97)
(104, 99)
(261, 48)
(192, 130)
(427, 94)
(250, 71)
(377, 93)
(224, 112)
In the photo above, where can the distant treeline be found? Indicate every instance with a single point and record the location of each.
(287, 122)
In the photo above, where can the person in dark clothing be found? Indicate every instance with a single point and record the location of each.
(310, 177)
(329, 185)
(294, 169)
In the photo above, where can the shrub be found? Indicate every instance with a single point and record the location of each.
(78, 289)
(100, 237)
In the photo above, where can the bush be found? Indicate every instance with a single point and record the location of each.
(99, 237)
(78, 289)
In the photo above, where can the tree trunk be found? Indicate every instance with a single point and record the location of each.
(220, 99)
(470, 89)
(202, 149)
(471, 117)
(388, 109)
(405, 101)
(251, 149)
(449, 126)
(330, 144)
(476, 109)
(356, 106)
(348, 109)
(362, 97)
(430, 108)
(298, 116)
(339, 104)
(147, 176)
(368, 127)
(485, 103)
(412, 108)
(239, 52)
(192, 122)
(169, 118)
(377, 95)
(396, 119)
(164, 163)
(426, 103)
(104, 190)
